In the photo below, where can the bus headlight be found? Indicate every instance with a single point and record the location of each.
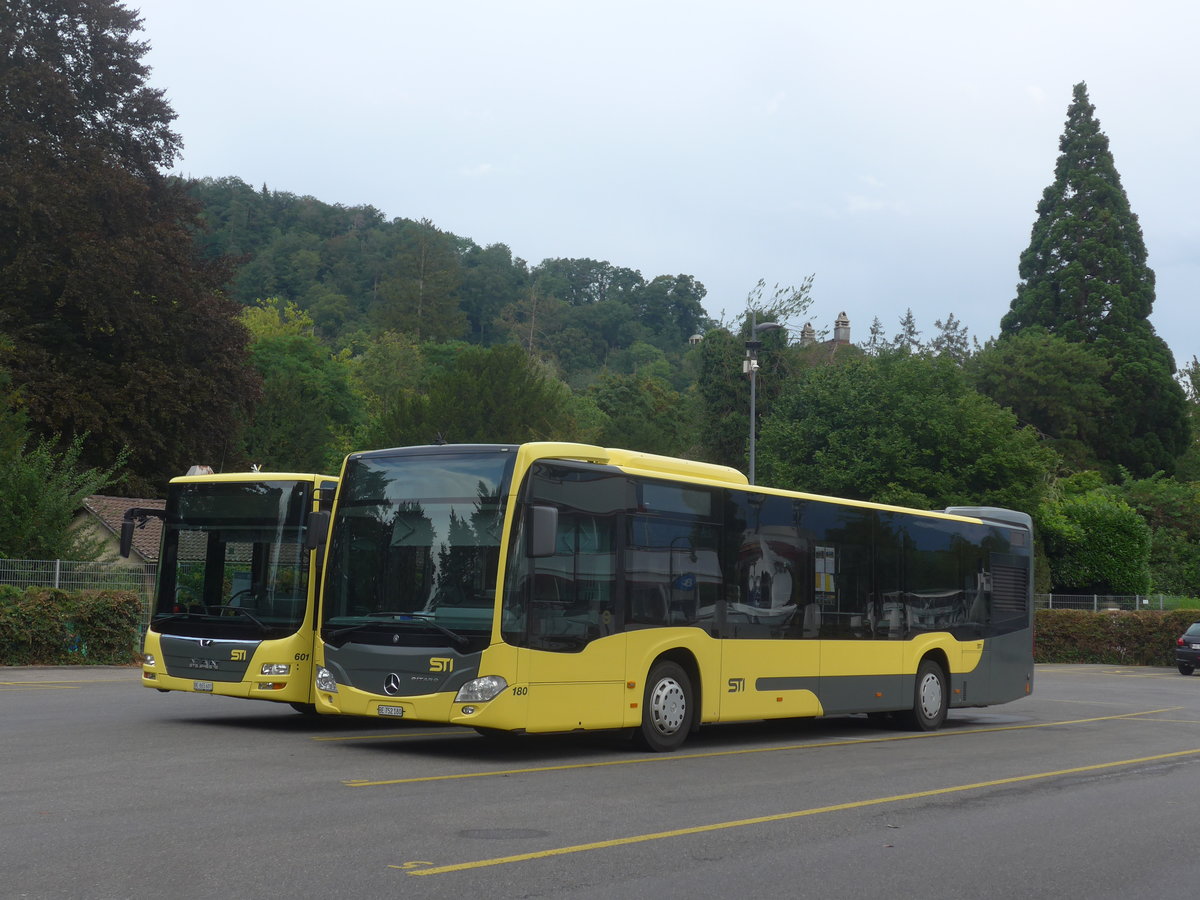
(325, 681)
(276, 669)
(481, 689)
(148, 660)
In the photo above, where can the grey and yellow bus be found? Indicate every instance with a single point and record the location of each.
(234, 610)
(552, 587)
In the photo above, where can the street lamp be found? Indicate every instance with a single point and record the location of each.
(750, 367)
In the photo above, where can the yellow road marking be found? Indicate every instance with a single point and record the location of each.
(815, 745)
(1124, 671)
(37, 686)
(412, 868)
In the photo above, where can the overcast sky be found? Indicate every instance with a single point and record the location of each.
(895, 151)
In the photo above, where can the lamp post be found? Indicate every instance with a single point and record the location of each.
(750, 367)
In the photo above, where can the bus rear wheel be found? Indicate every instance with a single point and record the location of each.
(930, 698)
(668, 708)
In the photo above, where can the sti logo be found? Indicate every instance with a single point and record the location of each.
(441, 664)
(737, 685)
(237, 654)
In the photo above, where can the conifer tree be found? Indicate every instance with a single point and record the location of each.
(1085, 278)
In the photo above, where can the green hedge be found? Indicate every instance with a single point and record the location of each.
(1142, 638)
(44, 626)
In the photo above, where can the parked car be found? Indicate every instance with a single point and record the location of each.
(1187, 650)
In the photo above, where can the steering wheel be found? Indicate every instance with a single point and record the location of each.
(245, 592)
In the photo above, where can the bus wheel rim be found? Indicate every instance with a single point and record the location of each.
(931, 695)
(668, 706)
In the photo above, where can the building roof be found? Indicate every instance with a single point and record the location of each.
(111, 510)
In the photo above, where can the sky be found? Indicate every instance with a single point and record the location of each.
(895, 152)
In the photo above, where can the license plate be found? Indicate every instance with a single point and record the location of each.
(1196, 646)
(397, 711)
(202, 685)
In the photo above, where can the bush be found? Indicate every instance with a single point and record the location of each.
(1141, 638)
(44, 626)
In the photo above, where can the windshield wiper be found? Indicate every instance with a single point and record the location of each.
(241, 612)
(460, 641)
(333, 636)
(422, 618)
(160, 618)
(171, 617)
(398, 617)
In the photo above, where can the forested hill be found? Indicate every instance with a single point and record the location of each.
(355, 273)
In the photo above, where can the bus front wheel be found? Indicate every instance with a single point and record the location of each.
(668, 708)
(930, 698)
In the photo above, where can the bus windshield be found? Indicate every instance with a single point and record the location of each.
(233, 563)
(414, 547)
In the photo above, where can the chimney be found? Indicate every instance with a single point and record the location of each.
(841, 329)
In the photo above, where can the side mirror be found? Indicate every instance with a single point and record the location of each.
(135, 517)
(542, 526)
(126, 537)
(317, 531)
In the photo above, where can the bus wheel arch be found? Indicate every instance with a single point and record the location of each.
(670, 702)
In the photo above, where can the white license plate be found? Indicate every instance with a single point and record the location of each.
(1196, 646)
(397, 711)
(202, 685)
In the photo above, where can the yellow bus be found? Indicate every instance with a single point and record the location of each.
(234, 609)
(551, 587)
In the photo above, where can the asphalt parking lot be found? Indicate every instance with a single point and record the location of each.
(111, 790)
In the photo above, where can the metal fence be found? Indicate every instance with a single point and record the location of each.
(1098, 602)
(82, 576)
(71, 575)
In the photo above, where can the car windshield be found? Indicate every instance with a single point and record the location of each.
(415, 543)
(1193, 631)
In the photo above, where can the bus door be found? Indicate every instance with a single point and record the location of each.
(572, 658)
(772, 622)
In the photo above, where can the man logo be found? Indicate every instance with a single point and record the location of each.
(441, 664)
(237, 654)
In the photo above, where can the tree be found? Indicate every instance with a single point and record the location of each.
(116, 324)
(952, 339)
(723, 398)
(486, 395)
(308, 411)
(643, 413)
(671, 310)
(908, 338)
(421, 295)
(533, 319)
(41, 490)
(578, 282)
(1096, 544)
(901, 428)
(1188, 466)
(491, 279)
(1084, 278)
(1051, 384)
(1171, 509)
